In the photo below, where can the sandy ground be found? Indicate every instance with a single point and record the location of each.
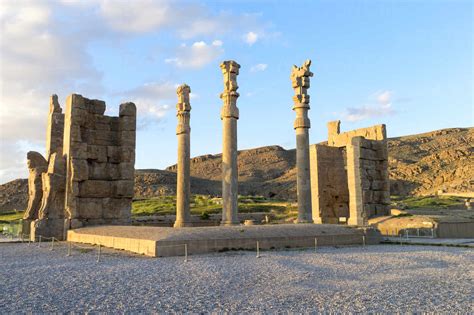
(382, 278)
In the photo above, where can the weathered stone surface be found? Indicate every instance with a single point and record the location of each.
(36, 166)
(300, 79)
(183, 183)
(365, 166)
(229, 116)
(100, 153)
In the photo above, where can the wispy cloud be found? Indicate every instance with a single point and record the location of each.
(251, 38)
(380, 105)
(153, 101)
(258, 67)
(197, 55)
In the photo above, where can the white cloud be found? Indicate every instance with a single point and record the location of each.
(381, 106)
(37, 60)
(259, 67)
(251, 38)
(152, 100)
(197, 55)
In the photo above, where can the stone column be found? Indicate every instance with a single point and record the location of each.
(300, 82)
(183, 185)
(229, 116)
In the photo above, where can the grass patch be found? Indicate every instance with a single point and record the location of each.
(204, 206)
(11, 216)
(432, 202)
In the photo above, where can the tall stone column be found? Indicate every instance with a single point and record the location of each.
(229, 116)
(300, 82)
(183, 187)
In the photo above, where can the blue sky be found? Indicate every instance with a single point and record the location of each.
(408, 64)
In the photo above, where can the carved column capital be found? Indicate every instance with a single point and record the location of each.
(183, 109)
(230, 70)
(301, 83)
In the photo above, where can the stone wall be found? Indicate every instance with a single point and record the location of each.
(88, 176)
(329, 184)
(338, 139)
(367, 168)
(349, 175)
(100, 157)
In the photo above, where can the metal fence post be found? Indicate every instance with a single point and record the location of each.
(68, 249)
(315, 244)
(258, 249)
(39, 243)
(185, 252)
(98, 254)
(363, 240)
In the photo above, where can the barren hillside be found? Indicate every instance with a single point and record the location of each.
(419, 164)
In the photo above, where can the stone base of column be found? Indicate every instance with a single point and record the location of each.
(180, 224)
(230, 223)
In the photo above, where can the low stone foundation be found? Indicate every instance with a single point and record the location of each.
(163, 241)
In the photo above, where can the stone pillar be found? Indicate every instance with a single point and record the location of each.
(357, 213)
(300, 82)
(229, 116)
(55, 129)
(183, 185)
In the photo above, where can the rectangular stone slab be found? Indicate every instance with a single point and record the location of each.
(165, 241)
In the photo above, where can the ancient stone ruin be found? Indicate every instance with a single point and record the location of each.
(88, 177)
(349, 176)
(183, 186)
(229, 117)
(301, 83)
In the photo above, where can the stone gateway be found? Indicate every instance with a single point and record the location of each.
(88, 176)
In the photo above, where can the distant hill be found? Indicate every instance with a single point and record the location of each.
(418, 164)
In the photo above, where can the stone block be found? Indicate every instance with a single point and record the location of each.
(122, 188)
(117, 208)
(73, 189)
(367, 196)
(113, 154)
(78, 150)
(127, 154)
(127, 109)
(90, 208)
(95, 188)
(97, 107)
(126, 171)
(97, 152)
(98, 170)
(127, 138)
(378, 185)
(114, 123)
(369, 210)
(79, 170)
(128, 123)
(113, 171)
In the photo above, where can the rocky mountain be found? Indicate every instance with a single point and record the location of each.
(418, 164)
(14, 195)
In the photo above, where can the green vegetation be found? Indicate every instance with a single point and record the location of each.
(428, 202)
(10, 222)
(10, 216)
(204, 206)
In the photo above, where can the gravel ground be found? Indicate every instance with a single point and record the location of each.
(382, 278)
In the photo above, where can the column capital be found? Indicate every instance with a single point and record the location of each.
(230, 70)
(183, 109)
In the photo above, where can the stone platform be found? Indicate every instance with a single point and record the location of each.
(164, 241)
